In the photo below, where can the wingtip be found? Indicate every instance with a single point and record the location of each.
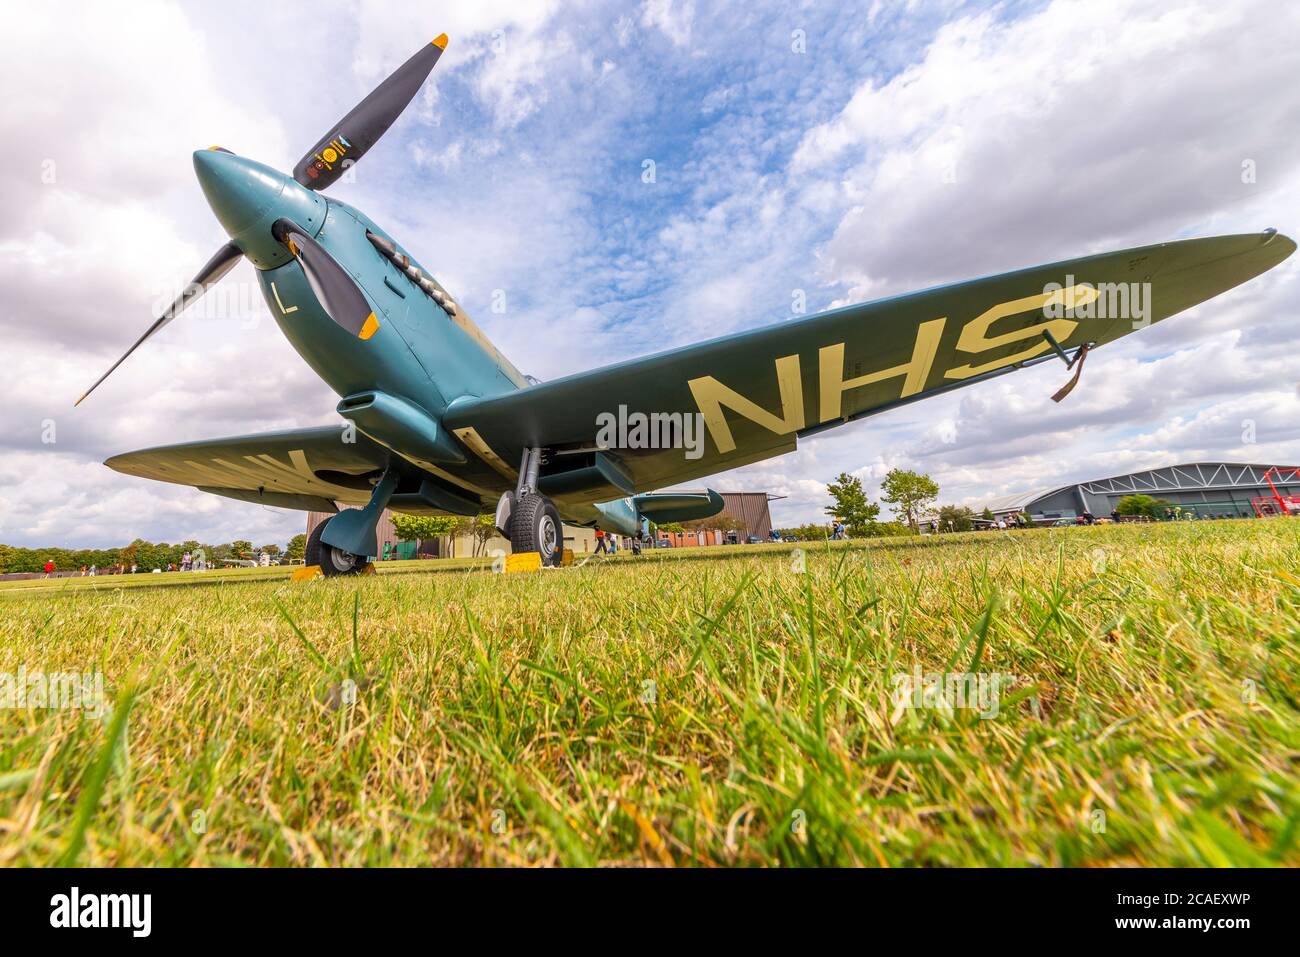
(440, 41)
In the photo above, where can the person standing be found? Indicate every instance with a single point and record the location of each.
(49, 568)
(600, 542)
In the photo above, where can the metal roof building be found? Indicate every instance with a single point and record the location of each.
(752, 509)
(1206, 489)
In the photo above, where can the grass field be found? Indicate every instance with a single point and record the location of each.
(697, 708)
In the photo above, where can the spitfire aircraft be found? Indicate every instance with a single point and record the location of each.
(439, 422)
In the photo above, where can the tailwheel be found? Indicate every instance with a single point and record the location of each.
(535, 527)
(332, 561)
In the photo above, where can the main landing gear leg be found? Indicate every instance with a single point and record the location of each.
(345, 544)
(528, 518)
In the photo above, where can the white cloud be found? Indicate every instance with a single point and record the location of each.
(674, 18)
(1078, 127)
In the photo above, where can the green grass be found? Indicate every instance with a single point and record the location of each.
(508, 719)
(112, 583)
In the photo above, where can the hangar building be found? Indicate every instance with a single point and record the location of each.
(1205, 489)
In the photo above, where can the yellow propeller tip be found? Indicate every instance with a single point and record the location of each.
(79, 401)
(370, 328)
(440, 41)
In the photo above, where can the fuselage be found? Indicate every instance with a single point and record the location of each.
(399, 380)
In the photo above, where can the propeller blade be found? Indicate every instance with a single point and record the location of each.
(360, 129)
(340, 297)
(217, 266)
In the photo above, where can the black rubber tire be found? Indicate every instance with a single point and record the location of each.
(535, 526)
(332, 561)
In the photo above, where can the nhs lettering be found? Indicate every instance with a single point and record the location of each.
(711, 395)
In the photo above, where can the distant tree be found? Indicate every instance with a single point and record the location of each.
(890, 530)
(483, 529)
(238, 547)
(803, 533)
(413, 528)
(1142, 505)
(445, 528)
(296, 550)
(956, 518)
(272, 550)
(851, 506)
(987, 514)
(909, 492)
(814, 532)
(150, 556)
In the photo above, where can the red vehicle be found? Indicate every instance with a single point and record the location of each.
(1277, 504)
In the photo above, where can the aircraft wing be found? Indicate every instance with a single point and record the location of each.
(307, 469)
(758, 391)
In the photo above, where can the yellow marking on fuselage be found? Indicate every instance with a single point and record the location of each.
(275, 292)
(370, 328)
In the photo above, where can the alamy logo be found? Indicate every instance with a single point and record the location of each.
(1111, 300)
(134, 911)
(976, 691)
(655, 430)
(82, 691)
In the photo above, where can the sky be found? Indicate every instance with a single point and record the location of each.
(841, 152)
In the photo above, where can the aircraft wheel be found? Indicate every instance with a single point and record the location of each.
(535, 527)
(332, 561)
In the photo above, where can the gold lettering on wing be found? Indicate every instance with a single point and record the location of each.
(711, 395)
